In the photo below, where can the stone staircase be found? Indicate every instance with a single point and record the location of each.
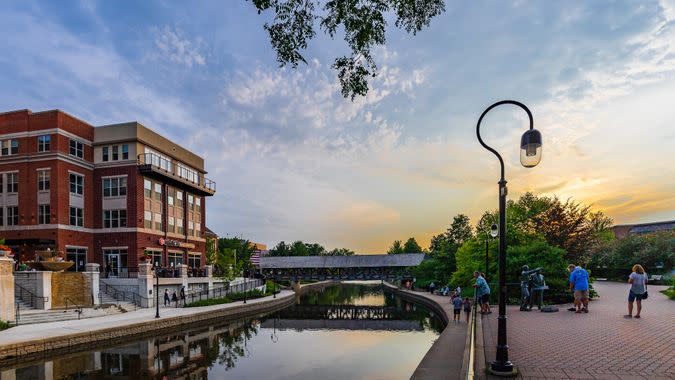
(23, 305)
(124, 306)
(42, 316)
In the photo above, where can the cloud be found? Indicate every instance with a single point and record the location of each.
(172, 44)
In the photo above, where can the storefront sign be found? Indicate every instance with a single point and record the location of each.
(175, 243)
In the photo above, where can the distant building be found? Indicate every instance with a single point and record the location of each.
(622, 230)
(208, 234)
(257, 246)
(108, 194)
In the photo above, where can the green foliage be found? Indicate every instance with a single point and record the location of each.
(615, 258)
(4, 325)
(411, 246)
(363, 24)
(396, 248)
(299, 248)
(211, 254)
(254, 293)
(209, 302)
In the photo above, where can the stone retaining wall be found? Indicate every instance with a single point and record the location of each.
(118, 333)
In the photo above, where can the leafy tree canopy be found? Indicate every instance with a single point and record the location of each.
(411, 246)
(396, 248)
(363, 24)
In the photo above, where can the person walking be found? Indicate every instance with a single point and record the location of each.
(456, 308)
(482, 293)
(432, 287)
(467, 308)
(174, 298)
(638, 288)
(579, 284)
(182, 295)
(167, 299)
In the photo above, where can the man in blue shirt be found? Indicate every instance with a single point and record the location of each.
(482, 293)
(579, 283)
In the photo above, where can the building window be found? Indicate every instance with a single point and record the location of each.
(105, 153)
(179, 199)
(147, 188)
(44, 143)
(170, 195)
(76, 148)
(191, 228)
(76, 183)
(158, 192)
(2, 185)
(9, 147)
(12, 182)
(44, 177)
(198, 204)
(43, 214)
(156, 257)
(79, 257)
(179, 226)
(113, 187)
(76, 217)
(191, 201)
(125, 151)
(175, 259)
(198, 228)
(2, 216)
(158, 221)
(194, 260)
(147, 217)
(115, 153)
(172, 224)
(117, 259)
(12, 215)
(114, 218)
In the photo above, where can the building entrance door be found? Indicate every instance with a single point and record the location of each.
(114, 260)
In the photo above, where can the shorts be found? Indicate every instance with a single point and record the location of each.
(485, 299)
(580, 295)
(457, 311)
(634, 296)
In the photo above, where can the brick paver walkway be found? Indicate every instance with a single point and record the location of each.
(598, 345)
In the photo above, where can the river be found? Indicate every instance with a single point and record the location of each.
(343, 331)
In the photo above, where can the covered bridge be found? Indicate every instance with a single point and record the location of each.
(355, 267)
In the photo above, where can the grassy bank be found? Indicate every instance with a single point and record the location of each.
(255, 293)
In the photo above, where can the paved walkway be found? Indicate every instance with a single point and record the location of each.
(45, 331)
(445, 357)
(598, 345)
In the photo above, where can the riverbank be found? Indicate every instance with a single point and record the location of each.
(445, 357)
(26, 340)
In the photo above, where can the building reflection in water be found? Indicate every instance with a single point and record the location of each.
(189, 354)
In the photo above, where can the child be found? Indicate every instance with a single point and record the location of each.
(467, 308)
(457, 306)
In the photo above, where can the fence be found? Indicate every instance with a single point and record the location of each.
(223, 291)
(123, 295)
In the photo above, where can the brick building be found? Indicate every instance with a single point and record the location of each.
(107, 194)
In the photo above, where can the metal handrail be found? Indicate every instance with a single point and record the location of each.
(223, 291)
(78, 308)
(470, 374)
(122, 295)
(33, 297)
(179, 171)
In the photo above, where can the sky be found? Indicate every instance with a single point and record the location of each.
(294, 160)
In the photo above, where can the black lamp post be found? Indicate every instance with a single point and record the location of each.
(493, 233)
(530, 155)
(157, 292)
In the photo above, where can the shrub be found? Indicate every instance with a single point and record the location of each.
(4, 325)
(209, 302)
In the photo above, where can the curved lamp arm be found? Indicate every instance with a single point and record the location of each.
(514, 102)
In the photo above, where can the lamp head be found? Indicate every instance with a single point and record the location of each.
(530, 148)
(494, 230)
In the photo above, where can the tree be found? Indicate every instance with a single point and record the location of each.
(315, 249)
(363, 23)
(281, 249)
(340, 252)
(210, 254)
(395, 248)
(411, 246)
(460, 230)
(298, 248)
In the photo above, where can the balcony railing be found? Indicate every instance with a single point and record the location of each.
(179, 173)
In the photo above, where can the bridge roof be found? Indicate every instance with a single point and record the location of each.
(354, 261)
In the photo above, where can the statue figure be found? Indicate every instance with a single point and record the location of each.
(525, 285)
(538, 285)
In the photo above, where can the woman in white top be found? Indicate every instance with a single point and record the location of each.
(638, 287)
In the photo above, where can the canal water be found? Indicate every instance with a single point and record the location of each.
(343, 331)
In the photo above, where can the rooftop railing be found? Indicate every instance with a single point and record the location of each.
(168, 167)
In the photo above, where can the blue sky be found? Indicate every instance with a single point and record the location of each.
(294, 160)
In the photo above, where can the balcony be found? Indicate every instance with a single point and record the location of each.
(154, 165)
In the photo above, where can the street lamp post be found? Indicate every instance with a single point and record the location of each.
(493, 233)
(157, 292)
(530, 155)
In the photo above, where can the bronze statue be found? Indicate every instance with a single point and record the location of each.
(525, 280)
(538, 285)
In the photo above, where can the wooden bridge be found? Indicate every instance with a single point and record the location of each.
(340, 268)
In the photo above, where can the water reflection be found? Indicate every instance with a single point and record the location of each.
(344, 331)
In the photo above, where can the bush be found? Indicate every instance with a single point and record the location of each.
(4, 325)
(209, 302)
